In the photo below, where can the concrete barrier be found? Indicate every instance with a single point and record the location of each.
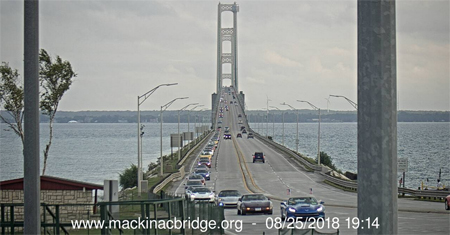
(181, 171)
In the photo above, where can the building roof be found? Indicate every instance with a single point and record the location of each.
(50, 183)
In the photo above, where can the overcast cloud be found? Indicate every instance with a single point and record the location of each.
(288, 50)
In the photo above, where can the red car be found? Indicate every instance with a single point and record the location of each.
(447, 202)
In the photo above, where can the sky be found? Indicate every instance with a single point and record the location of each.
(288, 51)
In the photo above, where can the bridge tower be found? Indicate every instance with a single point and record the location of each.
(226, 34)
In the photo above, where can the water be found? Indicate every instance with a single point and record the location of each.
(93, 152)
(88, 152)
(426, 145)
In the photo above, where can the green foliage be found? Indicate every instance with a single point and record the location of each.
(128, 178)
(55, 78)
(326, 160)
(11, 96)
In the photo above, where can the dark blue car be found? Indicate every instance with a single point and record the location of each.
(302, 207)
(204, 173)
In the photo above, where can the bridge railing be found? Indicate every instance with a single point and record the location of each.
(181, 171)
(291, 153)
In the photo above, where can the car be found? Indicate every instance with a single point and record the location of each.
(204, 161)
(203, 172)
(194, 176)
(207, 151)
(200, 167)
(227, 136)
(209, 156)
(302, 207)
(201, 194)
(250, 136)
(211, 145)
(193, 183)
(244, 131)
(239, 135)
(259, 156)
(227, 128)
(239, 115)
(447, 202)
(227, 198)
(220, 121)
(242, 128)
(256, 203)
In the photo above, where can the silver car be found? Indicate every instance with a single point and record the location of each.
(228, 198)
(201, 194)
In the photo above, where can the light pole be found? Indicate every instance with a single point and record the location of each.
(163, 108)
(262, 121)
(283, 121)
(296, 140)
(267, 116)
(140, 133)
(355, 105)
(198, 119)
(189, 121)
(318, 133)
(179, 153)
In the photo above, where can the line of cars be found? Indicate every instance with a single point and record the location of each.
(293, 208)
(195, 186)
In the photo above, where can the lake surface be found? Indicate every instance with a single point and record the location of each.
(426, 145)
(93, 152)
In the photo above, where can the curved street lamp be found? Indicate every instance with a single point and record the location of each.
(283, 121)
(296, 140)
(355, 105)
(164, 108)
(141, 132)
(318, 133)
(181, 110)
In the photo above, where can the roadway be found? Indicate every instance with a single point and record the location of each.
(278, 174)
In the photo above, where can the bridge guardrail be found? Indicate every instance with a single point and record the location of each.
(289, 152)
(350, 184)
(353, 185)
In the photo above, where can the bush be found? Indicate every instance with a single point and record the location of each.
(128, 178)
(326, 160)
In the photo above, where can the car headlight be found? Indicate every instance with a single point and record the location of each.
(291, 210)
(320, 209)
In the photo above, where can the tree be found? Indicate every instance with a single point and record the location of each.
(11, 95)
(128, 178)
(326, 160)
(55, 79)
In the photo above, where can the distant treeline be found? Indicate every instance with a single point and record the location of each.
(252, 115)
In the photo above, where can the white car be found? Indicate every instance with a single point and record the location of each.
(202, 194)
(227, 198)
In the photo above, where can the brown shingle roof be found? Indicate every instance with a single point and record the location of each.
(50, 183)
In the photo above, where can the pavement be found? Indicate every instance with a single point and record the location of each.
(279, 174)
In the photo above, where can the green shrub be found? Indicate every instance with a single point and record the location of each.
(326, 160)
(128, 178)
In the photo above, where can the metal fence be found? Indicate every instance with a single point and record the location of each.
(119, 217)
